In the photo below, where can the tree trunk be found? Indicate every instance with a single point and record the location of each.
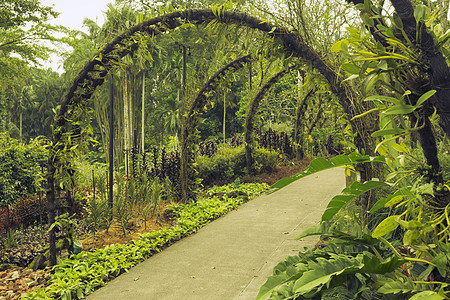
(126, 120)
(439, 72)
(143, 114)
(316, 119)
(224, 114)
(51, 209)
(20, 120)
(111, 148)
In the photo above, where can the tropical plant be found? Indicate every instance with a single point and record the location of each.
(284, 42)
(423, 229)
(97, 213)
(123, 203)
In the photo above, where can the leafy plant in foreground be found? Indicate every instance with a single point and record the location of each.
(424, 230)
(351, 265)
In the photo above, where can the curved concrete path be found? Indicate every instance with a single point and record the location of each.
(232, 257)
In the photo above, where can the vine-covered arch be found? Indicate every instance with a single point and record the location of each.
(72, 114)
(190, 121)
(251, 112)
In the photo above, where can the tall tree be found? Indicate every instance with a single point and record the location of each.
(24, 25)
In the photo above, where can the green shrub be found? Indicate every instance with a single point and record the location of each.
(19, 168)
(84, 171)
(265, 160)
(230, 163)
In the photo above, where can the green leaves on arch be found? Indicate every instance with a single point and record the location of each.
(191, 118)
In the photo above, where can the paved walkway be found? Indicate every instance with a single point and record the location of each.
(232, 257)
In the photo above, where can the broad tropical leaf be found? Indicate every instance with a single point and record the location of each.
(317, 273)
(401, 109)
(403, 285)
(382, 202)
(387, 225)
(284, 272)
(320, 164)
(349, 193)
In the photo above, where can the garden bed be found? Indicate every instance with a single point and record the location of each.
(137, 229)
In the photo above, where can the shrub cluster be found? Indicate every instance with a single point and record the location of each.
(19, 168)
(207, 148)
(160, 163)
(230, 163)
(32, 210)
(25, 212)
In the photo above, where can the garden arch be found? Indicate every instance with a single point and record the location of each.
(71, 121)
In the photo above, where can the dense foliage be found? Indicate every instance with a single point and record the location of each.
(229, 163)
(19, 168)
(401, 252)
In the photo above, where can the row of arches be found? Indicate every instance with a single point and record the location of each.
(68, 128)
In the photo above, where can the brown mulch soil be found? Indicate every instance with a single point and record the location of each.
(14, 281)
(136, 227)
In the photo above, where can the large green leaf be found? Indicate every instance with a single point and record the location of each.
(339, 45)
(421, 12)
(387, 225)
(373, 265)
(382, 202)
(322, 271)
(427, 295)
(401, 109)
(323, 228)
(349, 193)
(284, 272)
(383, 98)
(369, 83)
(425, 97)
(320, 164)
(308, 273)
(351, 68)
(404, 286)
(384, 132)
